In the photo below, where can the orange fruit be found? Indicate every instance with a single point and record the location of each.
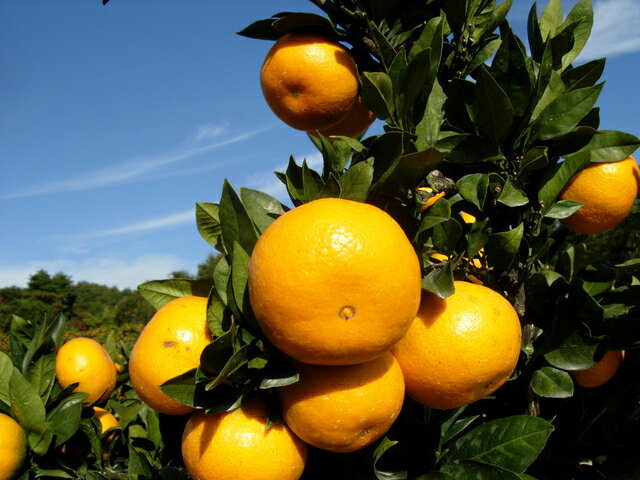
(459, 349)
(13, 447)
(238, 445)
(84, 361)
(353, 124)
(601, 372)
(309, 81)
(344, 408)
(107, 421)
(334, 282)
(169, 345)
(607, 191)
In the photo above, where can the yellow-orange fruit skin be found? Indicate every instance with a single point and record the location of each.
(601, 372)
(353, 124)
(607, 191)
(170, 345)
(107, 421)
(237, 445)
(344, 408)
(13, 447)
(309, 81)
(86, 362)
(460, 349)
(334, 282)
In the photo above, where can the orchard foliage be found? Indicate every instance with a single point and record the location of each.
(497, 125)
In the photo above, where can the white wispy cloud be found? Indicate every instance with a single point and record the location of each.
(146, 225)
(111, 271)
(136, 168)
(613, 32)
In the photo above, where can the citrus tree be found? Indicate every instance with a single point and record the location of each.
(424, 307)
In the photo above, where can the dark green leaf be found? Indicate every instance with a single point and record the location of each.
(550, 382)
(261, 207)
(377, 94)
(384, 445)
(512, 443)
(445, 236)
(356, 181)
(576, 352)
(160, 292)
(440, 280)
(428, 129)
(563, 209)
(494, 111)
(473, 188)
(438, 212)
(294, 22)
(582, 14)
(611, 146)
(503, 246)
(239, 359)
(65, 418)
(583, 76)
(551, 19)
(470, 470)
(235, 222)
(41, 373)
(564, 113)
(208, 222)
(6, 370)
(534, 159)
(26, 405)
(509, 68)
(512, 196)
(331, 188)
(556, 180)
(261, 30)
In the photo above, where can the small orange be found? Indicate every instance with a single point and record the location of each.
(607, 191)
(459, 349)
(238, 445)
(84, 361)
(334, 282)
(601, 372)
(107, 421)
(13, 447)
(309, 81)
(353, 124)
(170, 345)
(345, 408)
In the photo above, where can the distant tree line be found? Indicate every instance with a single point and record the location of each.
(85, 304)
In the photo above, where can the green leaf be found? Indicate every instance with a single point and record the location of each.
(576, 352)
(26, 405)
(556, 179)
(6, 370)
(356, 181)
(484, 54)
(331, 188)
(65, 418)
(581, 12)
(160, 292)
(440, 280)
(239, 279)
(551, 382)
(502, 247)
(470, 470)
(428, 130)
(239, 359)
(262, 208)
(377, 94)
(583, 76)
(384, 445)
(446, 235)
(563, 209)
(534, 34)
(294, 22)
(453, 426)
(534, 159)
(438, 212)
(564, 113)
(509, 68)
(551, 19)
(512, 196)
(611, 146)
(494, 111)
(208, 223)
(261, 30)
(235, 222)
(278, 372)
(512, 443)
(473, 188)
(42, 373)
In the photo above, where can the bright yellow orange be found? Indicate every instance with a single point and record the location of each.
(107, 421)
(459, 349)
(353, 124)
(344, 408)
(607, 191)
(601, 372)
(334, 282)
(13, 447)
(309, 81)
(84, 361)
(169, 345)
(431, 200)
(238, 445)
(467, 217)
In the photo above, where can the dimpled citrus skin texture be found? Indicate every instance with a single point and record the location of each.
(309, 81)
(601, 372)
(85, 361)
(13, 447)
(169, 345)
(334, 282)
(607, 191)
(344, 408)
(237, 445)
(353, 124)
(460, 349)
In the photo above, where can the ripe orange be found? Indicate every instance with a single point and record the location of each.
(238, 445)
(309, 81)
(107, 421)
(169, 345)
(601, 372)
(353, 124)
(459, 349)
(607, 191)
(345, 408)
(334, 282)
(13, 447)
(86, 362)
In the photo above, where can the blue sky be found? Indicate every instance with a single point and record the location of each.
(116, 120)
